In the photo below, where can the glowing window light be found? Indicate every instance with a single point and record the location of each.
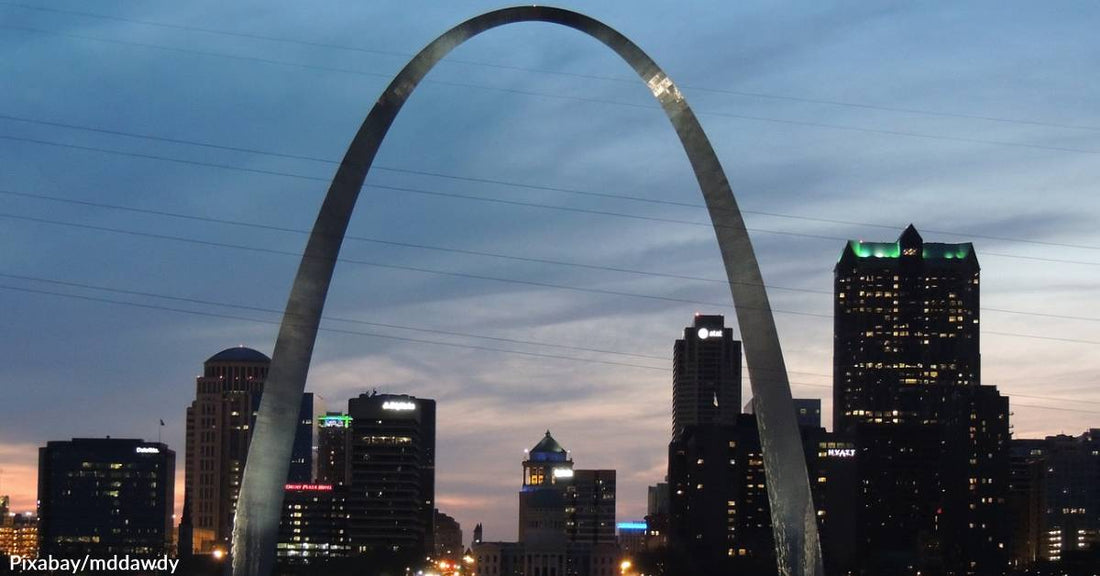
(563, 473)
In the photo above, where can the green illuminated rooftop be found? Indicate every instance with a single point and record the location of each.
(335, 421)
(875, 249)
(911, 243)
(893, 250)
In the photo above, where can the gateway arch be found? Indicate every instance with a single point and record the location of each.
(256, 524)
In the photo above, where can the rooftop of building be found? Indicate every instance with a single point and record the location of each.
(909, 244)
(548, 446)
(239, 354)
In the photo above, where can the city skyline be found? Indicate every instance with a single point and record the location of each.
(99, 353)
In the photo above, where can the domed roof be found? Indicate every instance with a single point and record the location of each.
(548, 446)
(239, 354)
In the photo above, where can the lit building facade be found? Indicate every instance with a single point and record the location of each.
(313, 526)
(105, 496)
(1069, 523)
(332, 448)
(720, 517)
(566, 521)
(18, 532)
(932, 441)
(905, 315)
(547, 473)
(391, 468)
(219, 429)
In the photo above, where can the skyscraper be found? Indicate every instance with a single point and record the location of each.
(704, 466)
(219, 429)
(905, 317)
(332, 448)
(566, 520)
(391, 466)
(706, 375)
(932, 441)
(547, 472)
(105, 496)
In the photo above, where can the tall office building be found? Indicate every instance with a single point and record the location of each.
(391, 465)
(332, 448)
(547, 472)
(703, 462)
(219, 429)
(566, 520)
(933, 442)
(706, 375)
(720, 516)
(905, 316)
(105, 496)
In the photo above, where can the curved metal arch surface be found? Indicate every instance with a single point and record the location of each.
(256, 523)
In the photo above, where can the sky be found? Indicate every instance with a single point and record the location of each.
(530, 241)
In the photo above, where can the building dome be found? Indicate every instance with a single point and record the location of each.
(548, 446)
(239, 354)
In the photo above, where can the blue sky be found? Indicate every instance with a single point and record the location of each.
(975, 122)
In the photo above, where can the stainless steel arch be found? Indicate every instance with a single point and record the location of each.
(255, 528)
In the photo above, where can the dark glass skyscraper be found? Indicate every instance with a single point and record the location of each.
(905, 316)
(332, 448)
(706, 375)
(105, 496)
(932, 441)
(391, 465)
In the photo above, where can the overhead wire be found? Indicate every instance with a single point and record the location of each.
(495, 65)
(509, 183)
(803, 123)
(254, 225)
(873, 107)
(550, 285)
(402, 338)
(482, 198)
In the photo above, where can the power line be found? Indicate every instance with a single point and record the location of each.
(527, 259)
(482, 180)
(452, 60)
(224, 221)
(807, 100)
(87, 286)
(481, 198)
(802, 123)
(329, 329)
(550, 285)
(412, 340)
(599, 291)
